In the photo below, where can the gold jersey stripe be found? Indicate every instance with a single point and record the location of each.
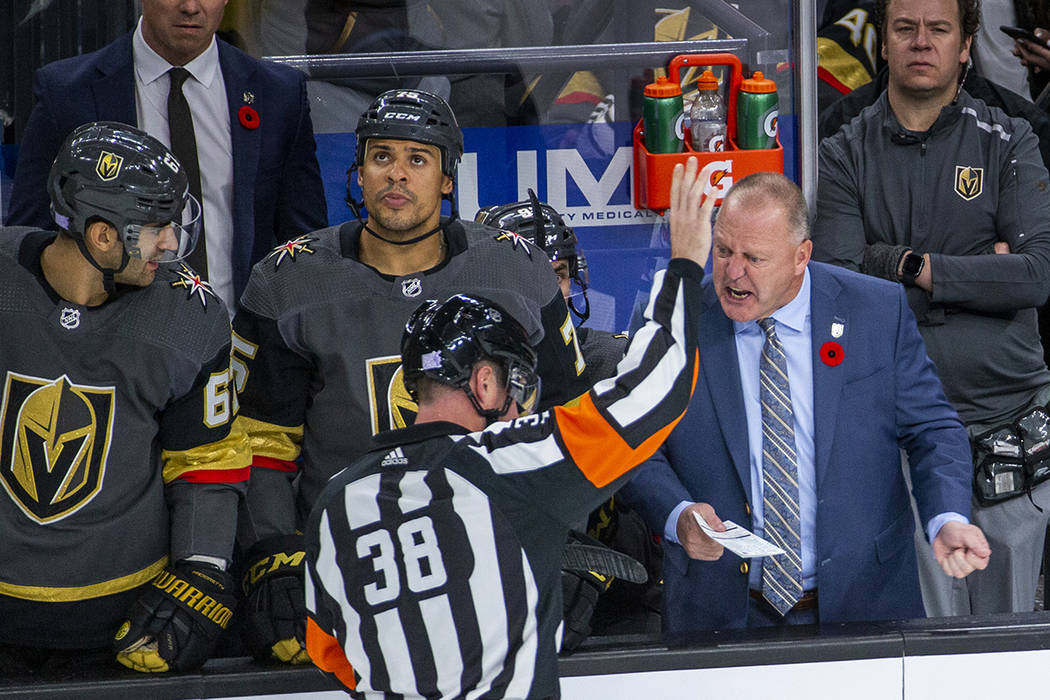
(271, 440)
(229, 453)
(55, 594)
(847, 70)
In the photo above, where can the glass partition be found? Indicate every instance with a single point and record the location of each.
(548, 94)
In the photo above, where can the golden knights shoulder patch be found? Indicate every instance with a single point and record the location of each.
(516, 240)
(290, 249)
(969, 181)
(56, 437)
(193, 285)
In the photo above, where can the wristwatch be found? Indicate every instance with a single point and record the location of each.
(911, 267)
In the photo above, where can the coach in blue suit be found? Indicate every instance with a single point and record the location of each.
(861, 387)
(276, 186)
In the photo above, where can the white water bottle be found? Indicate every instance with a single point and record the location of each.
(708, 115)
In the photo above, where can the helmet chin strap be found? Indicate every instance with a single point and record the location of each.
(107, 272)
(585, 313)
(491, 415)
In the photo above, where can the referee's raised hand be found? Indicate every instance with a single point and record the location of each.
(690, 211)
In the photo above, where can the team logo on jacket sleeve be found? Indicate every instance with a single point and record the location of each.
(55, 442)
(969, 181)
(290, 249)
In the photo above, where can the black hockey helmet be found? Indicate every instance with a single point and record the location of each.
(130, 180)
(443, 340)
(412, 115)
(541, 224)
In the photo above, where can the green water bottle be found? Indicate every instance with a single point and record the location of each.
(756, 113)
(662, 116)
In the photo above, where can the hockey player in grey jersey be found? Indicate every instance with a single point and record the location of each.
(434, 560)
(317, 336)
(121, 472)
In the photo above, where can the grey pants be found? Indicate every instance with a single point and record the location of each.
(1015, 530)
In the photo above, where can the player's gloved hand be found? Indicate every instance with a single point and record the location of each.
(175, 622)
(580, 591)
(275, 608)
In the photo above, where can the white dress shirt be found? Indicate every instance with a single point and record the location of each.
(205, 93)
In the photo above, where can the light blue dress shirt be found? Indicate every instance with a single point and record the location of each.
(794, 330)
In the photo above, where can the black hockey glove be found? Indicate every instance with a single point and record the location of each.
(275, 608)
(883, 260)
(175, 622)
(580, 591)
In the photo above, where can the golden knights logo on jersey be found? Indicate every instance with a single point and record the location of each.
(969, 181)
(390, 405)
(55, 442)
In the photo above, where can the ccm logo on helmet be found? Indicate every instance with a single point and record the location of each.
(402, 116)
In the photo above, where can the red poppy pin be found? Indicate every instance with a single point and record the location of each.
(248, 117)
(831, 354)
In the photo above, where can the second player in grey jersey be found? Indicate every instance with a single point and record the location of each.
(316, 343)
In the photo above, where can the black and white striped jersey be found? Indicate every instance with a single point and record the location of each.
(433, 562)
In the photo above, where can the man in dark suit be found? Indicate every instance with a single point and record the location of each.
(812, 380)
(259, 176)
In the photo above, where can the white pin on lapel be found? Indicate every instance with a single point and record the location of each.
(248, 97)
(837, 329)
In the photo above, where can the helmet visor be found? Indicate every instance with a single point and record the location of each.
(166, 242)
(523, 387)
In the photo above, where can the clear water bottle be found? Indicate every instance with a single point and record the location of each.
(708, 116)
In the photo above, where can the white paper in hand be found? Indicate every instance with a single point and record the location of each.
(739, 540)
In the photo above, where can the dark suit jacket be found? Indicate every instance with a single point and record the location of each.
(277, 182)
(884, 394)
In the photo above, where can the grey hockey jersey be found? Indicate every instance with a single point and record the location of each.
(104, 410)
(317, 341)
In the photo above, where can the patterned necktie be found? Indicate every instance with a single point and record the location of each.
(781, 575)
(184, 146)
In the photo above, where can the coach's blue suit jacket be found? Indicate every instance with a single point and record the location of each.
(277, 191)
(884, 394)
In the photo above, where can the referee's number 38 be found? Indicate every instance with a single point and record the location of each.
(424, 569)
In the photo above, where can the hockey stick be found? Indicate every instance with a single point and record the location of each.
(602, 560)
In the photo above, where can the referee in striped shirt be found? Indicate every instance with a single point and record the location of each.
(433, 562)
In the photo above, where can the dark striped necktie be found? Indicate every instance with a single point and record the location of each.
(782, 574)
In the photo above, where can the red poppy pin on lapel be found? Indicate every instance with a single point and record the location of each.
(831, 354)
(247, 115)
